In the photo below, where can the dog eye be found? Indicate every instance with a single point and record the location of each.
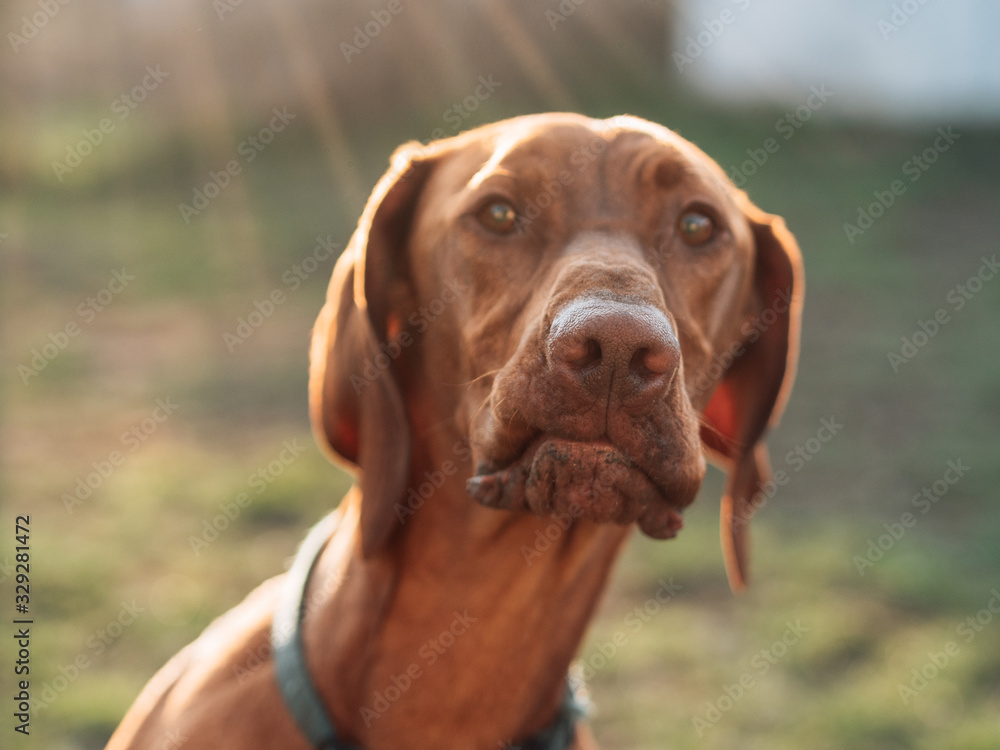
(695, 228)
(499, 217)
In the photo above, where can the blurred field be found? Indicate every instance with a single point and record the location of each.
(124, 554)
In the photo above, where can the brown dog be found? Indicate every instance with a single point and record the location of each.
(559, 317)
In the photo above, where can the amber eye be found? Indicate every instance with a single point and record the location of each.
(695, 228)
(499, 217)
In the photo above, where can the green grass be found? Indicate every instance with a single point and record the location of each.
(837, 685)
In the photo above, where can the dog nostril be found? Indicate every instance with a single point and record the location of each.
(649, 363)
(581, 354)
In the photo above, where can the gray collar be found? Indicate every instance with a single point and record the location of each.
(299, 692)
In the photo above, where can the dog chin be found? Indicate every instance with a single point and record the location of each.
(591, 480)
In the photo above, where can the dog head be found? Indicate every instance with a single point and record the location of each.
(590, 304)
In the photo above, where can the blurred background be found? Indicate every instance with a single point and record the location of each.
(166, 167)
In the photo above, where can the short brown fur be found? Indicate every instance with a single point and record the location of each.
(475, 389)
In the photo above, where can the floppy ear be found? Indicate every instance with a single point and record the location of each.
(753, 390)
(355, 404)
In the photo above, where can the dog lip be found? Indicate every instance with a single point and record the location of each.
(487, 468)
(531, 447)
(488, 484)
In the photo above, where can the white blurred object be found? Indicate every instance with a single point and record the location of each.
(906, 60)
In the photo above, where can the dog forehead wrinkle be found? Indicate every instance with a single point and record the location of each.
(648, 159)
(690, 159)
(501, 149)
(524, 147)
(669, 171)
(497, 173)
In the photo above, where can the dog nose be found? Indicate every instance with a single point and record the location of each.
(610, 348)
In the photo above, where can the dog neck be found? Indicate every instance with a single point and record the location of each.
(461, 632)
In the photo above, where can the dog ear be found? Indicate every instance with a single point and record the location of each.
(755, 387)
(355, 403)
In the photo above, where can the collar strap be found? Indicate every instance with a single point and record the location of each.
(299, 691)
